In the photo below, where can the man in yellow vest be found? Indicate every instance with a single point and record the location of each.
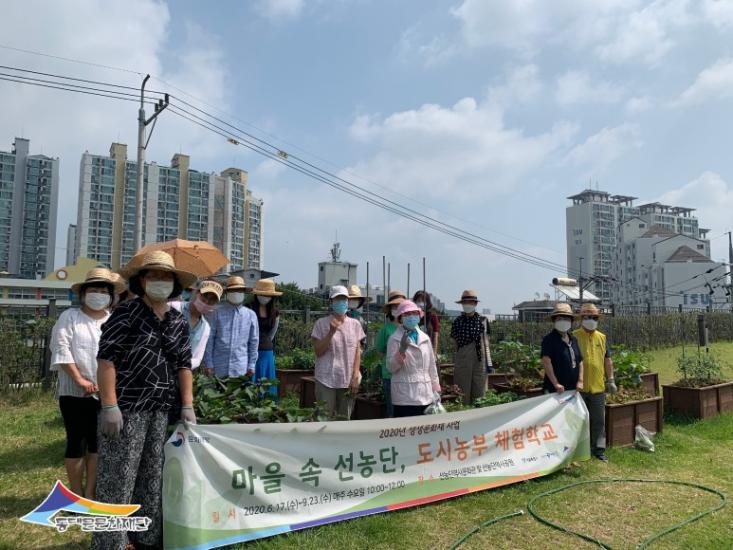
(596, 353)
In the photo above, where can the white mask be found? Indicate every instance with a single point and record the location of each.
(96, 301)
(563, 325)
(421, 305)
(590, 324)
(469, 308)
(158, 290)
(354, 304)
(235, 298)
(264, 300)
(393, 312)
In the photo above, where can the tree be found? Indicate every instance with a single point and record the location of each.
(295, 298)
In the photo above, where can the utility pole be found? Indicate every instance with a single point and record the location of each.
(730, 268)
(408, 279)
(142, 144)
(580, 278)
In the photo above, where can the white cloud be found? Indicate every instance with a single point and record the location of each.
(718, 12)
(601, 149)
(576, 87)
(638, 104)
(268, 170)
(65, 124)
(712, 197)
(279, 9)
(522, 84)
(714, 82)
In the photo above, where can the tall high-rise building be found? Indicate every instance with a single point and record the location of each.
(71, 244)
(29, 188)
(178, 202)
(592, 232)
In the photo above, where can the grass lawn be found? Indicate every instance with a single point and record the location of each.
(31, 459)
(664, 361)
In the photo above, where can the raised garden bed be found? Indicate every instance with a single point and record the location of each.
(290, 380)
(307, 391)
(495, 378)
(650, 382)
(699, 402)
(622, 419)
(368, 408)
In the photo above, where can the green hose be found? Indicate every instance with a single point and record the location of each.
(644, 544)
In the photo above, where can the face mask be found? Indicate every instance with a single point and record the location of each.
(96, 300)
(158, 290)
(235, 298)
(354, 304)
(264, 300)
(340, 307)
(411, 322)
(590, 324)
(186, 295)
(421, 305)
(202, 306)
(563, 325)
(469, 308)
(393, 312)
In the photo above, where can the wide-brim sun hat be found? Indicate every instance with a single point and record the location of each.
(338, 290)
(101, 275)
(355, 294)
(266, 287)
(589, 310)
(468, 295)
(394, 301)
(211, 287)
(235, 283)
(408, 306)
(161, 261)
(562, 309)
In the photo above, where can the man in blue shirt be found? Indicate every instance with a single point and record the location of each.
(235, 335)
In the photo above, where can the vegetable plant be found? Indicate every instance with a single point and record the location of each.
(699, 370)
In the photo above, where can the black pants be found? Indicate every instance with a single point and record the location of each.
(80, 422)
(409, 410)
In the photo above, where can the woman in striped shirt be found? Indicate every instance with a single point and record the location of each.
(74, 344)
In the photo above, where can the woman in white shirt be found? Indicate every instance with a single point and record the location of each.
(411, 361)
(74, 345)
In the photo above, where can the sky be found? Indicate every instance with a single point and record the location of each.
(485, 114)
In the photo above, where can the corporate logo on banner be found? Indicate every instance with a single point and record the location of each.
(97, 516)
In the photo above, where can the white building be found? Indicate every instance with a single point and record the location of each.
(336, 272)
(592, 224)
(29, 188)
(178, 202)
(655, 266)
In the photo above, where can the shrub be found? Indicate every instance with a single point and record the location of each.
(699, 370)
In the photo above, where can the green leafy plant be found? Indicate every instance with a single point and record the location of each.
(699, 370)
(514, 356)
(628, 366)
(298, 359)
(492, 398)
(239, 400)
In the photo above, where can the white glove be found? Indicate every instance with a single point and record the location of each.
(188, 415)
(111, 421)
(611, 386)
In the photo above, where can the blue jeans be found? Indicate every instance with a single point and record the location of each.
(387, 390)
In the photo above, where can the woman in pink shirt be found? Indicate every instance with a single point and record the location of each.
(411, 361)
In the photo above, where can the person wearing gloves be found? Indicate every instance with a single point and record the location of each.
(561, 356)
(396, 297)
(144, 346)
(470, 331)
(268, 320)
(336, 340)
(235, 335)
(598, 376)
(356, 303)
(411, 361)
(74, 345)
(202, 302)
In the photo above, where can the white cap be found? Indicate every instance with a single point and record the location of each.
(338, 290)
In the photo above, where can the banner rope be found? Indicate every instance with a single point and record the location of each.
(644, 544)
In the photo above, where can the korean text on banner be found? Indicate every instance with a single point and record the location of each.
(231, 483)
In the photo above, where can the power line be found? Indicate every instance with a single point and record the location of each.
(67, 89)
(69, 59)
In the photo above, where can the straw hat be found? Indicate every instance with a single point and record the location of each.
(408, 306)
(396, 297)
(213, 287)
(235, 283)
(355, 294)
(562, 309)
(468, 295)
(101, 275)
(266, 287)
(119, 279)
(589, 309)
(161, 261)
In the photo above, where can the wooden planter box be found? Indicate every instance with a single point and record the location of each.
(699, 402)
(446, 376)
(495, 378)
(650, 382)
(531, 392)
(307, 391)
(621, 420)
(367, 409)
(290, 380)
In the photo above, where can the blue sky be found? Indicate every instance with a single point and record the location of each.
(483, 112)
